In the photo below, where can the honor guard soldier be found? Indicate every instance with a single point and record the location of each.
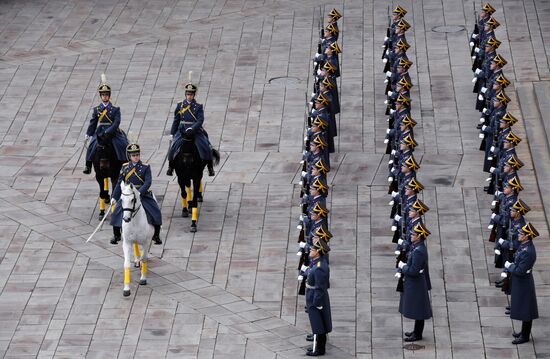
(415, 301)
(138, 174)
(523, 296)
(317, 297)
(188, 121)
(104, 127)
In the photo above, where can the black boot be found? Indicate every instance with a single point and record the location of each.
(170, 171)
(309, 337)
(156, 236)
(318, 348)
(210, 165)
(417, 333)
(88, 168)
(116, 235)
(525, 333)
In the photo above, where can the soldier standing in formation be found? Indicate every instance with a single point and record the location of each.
(512, 235)
(314, 235)
(410, 232)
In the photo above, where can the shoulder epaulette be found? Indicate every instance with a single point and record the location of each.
(125, 164)
(318, 264)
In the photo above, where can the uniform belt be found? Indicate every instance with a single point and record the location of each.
(187, 122)
(104, 124)
(310, 286)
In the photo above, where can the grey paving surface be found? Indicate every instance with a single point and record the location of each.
(229, 290)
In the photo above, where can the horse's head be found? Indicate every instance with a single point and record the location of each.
(129, 200)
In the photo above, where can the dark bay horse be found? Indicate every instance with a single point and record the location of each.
(106, 165)
(189, 169)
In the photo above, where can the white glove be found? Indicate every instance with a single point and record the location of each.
(490, 158)
(388, 130)
(477, 71)
(394, 194)
(304, 173)
(397, 275)
(493, 215)
(317, 54)
(494, 202)
(384, 60)
(497, 252)
(474, 80)
(492, 169)
(386, 38)
(319, 72)
(171, 137)
(500, 241)
(386, 140)
(483, 127)
(490, 226)
(481, 135)
(299, 253)
(86, 137)
(497, 193)
(475, 36)
(301, 217)
(483, 89)
(300, 278)
(482, 119)
(472, 44)
(507, 264)
(302, 244)
(303, 268)
(397, 253)
(392, 111)
(484, 110)
(488, 179)
(388, 73)
(387, 51)
(390, 203)
(299, 227)
(393, 152)
(390, 162)
(113, 201)
(401, 264)
(385, 102)
(390, 179)
(301, 183)
(320, 308)
(390, 93)
(393, 228)
(302, 162)
(480, 97)
(503, 275)
(400, 241)
(492, 149)
(397, 217)
(386, 81)
(476, 50)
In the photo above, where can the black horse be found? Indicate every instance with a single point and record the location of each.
(189, 169)
(106, 165)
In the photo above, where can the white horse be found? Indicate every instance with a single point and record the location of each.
(135, 233)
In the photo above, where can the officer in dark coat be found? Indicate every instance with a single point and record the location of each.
(317, 298)
(104, 124)
(138, 174)
(523, 297)
(415, 301)
(188, 119)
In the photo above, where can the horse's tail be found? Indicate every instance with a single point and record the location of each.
(215, 156)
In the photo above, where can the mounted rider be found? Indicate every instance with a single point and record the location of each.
(138, 174)
(104, 125)
(188, 120)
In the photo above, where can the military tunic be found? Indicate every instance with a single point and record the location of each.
(189, 116)
(415, 301)
(317, 296)
(105, 122)
(139, 175)
(523, 296)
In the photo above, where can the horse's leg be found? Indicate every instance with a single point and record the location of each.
(137, 255)
(199, 195)
(126, 247)
(184, 194)
(194, 203)
(102, 201)
(143, 259)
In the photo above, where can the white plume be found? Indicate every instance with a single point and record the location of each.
(190, 76)
(103, 79)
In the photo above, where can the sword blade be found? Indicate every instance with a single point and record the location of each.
(100, 223)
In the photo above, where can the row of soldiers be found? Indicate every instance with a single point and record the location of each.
(511, 233)
(314, 234)
(408, 210)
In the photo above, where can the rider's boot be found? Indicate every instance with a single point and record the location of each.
(116, 235)
(156, 236)
(88, 168)
(210, 168)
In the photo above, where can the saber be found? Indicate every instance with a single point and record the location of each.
(165, 157)
(101, 222)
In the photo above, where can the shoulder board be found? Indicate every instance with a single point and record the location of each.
(125, 164)
(318, 264)
(144, 164)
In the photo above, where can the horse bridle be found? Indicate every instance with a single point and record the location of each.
(132, 210)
